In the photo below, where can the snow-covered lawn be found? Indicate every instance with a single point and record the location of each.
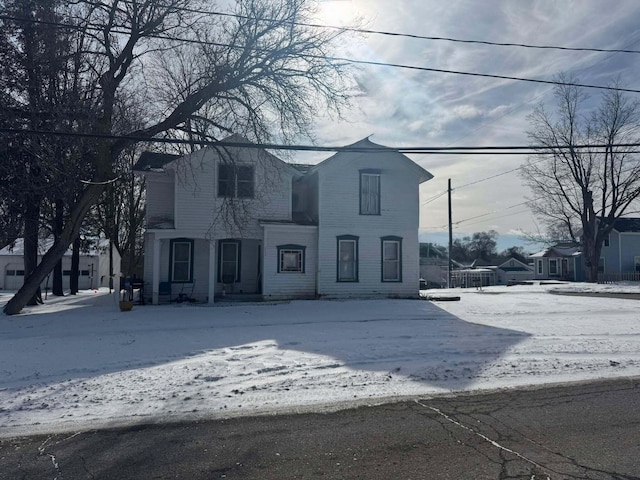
(78, 362)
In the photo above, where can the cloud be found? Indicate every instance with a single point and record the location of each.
(415, 108)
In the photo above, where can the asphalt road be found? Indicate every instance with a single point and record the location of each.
(580, 431)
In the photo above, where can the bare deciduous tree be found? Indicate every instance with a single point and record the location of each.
(588, 177)
(262, 73)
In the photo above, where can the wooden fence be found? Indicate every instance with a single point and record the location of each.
(618, 277)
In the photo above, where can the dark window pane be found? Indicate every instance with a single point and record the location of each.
(245, 182)
(225, 181)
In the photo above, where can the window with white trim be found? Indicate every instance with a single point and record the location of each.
(539, 266)
(291, 258)
(553, 266)
(347, 258)
(607, 240)
(391, 259)
(369, 192)
(181, 261)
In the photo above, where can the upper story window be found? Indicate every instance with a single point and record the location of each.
(235, 181)
(607, 240)
(369, 192)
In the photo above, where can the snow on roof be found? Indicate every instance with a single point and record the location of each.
(558, 251)
(44, 244)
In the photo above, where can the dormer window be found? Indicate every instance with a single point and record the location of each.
(369, 192)
(235, 181)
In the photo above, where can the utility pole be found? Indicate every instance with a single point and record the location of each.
(450, 237)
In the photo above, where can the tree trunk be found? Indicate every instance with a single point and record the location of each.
(56, 252)
(56, 287)
(75, 266)
(31, 224)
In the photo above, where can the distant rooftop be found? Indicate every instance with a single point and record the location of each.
(628, 224)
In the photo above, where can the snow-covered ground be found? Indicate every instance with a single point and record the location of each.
(78, 362)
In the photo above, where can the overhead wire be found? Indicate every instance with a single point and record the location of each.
(402, 35)
(345, 59)
(458, 150)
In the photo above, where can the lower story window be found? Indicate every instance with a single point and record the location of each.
(391, 259)
(347, 258)
(229, 261)
(553, 267)
(291, 258)
(181, 260)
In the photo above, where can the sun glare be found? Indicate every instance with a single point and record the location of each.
(337, 12)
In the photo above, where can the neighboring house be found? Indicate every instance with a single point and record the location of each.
(620, 255)
(498, 271)
(94, 265)
(433, 265)
(234, 220)
(559, 262)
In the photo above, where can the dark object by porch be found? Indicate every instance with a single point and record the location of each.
(164, 291)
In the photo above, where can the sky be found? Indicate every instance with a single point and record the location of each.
(78, 363)
(402, 108)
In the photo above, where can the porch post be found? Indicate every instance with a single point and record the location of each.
(212, 271)
(155, 285)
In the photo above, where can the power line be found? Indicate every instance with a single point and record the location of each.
(404, 35)
(345, 59)
(485, 214)
(479, 150)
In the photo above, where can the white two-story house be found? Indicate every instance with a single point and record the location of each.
(235, 220)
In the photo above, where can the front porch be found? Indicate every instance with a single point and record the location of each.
(203, 270)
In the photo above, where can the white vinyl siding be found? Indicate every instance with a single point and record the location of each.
(339, 214)
(289, 284)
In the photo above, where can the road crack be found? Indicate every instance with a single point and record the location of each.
(484, 437)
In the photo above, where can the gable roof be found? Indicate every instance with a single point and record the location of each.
(366, 146)
(150, 161)
(558, 251)
(518, 266)
(627, 224)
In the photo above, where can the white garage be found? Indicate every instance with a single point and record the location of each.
(94, 265)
